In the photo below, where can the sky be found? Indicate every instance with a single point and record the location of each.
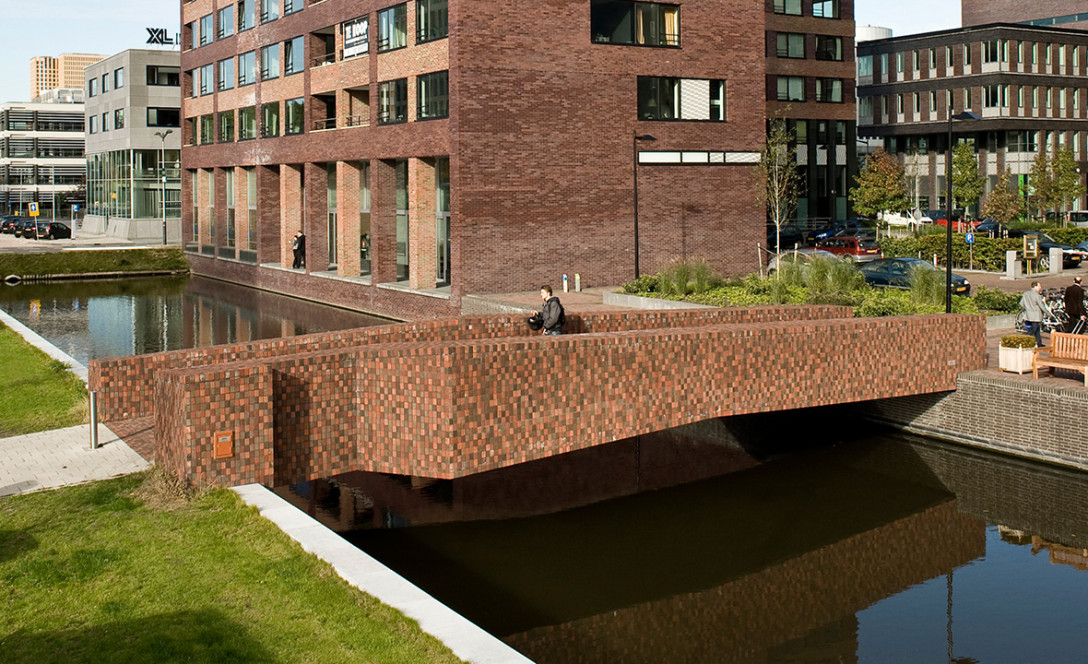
(52, 27)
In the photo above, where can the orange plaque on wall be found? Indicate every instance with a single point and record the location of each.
(223, 447)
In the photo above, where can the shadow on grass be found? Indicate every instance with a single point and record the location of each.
(14, 543)
(196, 637)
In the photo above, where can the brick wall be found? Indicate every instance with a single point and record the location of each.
(985, 12)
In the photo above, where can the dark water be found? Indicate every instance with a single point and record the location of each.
(709, 544)
(120, 317)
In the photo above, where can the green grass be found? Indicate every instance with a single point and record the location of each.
(94, 262)
(130, 571)
(36, 392)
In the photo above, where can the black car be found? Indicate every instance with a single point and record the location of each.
(791, 235)
(989, 227)
(849, 227)
(1071, 256)
(52, 230)
(896, 272)
(7, 223)
(25, 227)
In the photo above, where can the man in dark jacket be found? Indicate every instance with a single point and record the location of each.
(1074, 304)
(298, 248)
(551, 312)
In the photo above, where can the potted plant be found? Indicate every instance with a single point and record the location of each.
(1016, 352)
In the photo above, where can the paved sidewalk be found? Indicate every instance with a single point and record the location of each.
(51, 459)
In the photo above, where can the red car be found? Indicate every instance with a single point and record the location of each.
(853, 249)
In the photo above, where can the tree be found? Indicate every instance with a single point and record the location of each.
(1041, 184)
(1065, 179)
(967, 184)
(881, 186)
(1003, 204)
(781, 181)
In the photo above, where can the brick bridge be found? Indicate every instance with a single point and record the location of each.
(453, 397)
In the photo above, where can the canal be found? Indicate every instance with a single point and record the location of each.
(798, 537)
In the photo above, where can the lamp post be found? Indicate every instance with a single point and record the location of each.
(162, 174)
(635, 138)
(966, 115)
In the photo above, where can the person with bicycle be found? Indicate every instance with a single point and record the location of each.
(1074, 306)
(1034, 308)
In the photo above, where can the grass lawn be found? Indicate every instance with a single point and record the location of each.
(129, 570)
(36, 391)
(94, 262)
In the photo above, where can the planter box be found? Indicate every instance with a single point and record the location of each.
(1016, 360)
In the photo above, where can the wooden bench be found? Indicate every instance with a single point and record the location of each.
(1066, 351)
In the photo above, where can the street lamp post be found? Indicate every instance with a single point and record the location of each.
(162, 174)
(966, 115)
(635, 138)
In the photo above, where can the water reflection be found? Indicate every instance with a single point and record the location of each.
(113, 318)
(670, 548)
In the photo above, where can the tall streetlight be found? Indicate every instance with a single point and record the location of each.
(162, 173)
(635, 138)
(966, 115)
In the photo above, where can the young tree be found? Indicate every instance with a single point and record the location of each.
(1041, 184)
(1003, 204)
(967, 184)
(781, 180)
(1065, 179)
(881, 186)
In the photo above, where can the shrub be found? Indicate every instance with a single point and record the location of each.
(646, 283)
(1018, 341)
(992, 299)
(891, 302)
(683, 277)
(927, 286)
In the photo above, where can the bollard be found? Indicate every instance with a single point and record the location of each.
(577, 282)
(564, 283)
(93, 398)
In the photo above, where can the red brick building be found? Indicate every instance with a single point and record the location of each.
(431, 149)
(1070, 14)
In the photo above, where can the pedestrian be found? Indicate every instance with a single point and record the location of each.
(1034, 308)
(551, 312)
(1074, 306)
(298, 248)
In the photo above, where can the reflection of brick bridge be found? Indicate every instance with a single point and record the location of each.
(452, 397)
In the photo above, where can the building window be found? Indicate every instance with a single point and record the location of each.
(226, 74)
(830, 48)
(158, 75)
(163, 117)
(966, 55)
(247, 123)
(393, 101)
(791, 88)
(207, 29)
(292, 6)
(791, 7)
(662, 98)
(105, 83)
(401, 179)
(899, 62)
(207, 129)
(293, 116)
(246, 18)
(791, 45)
(92, 124)
(292, 56)
(119, 78)
(119, 119)
(640, 23)
(247, 68)
(364, 218)
(356, 37)
(226, 22)
(433, 95)
(825, 9)
(432, 20)
(393, 28)
(193, 30)
(207, 79)
(105, 122)
(270, 62)
(270, 120)
(92, 86)
(270, 10)
(226, 126)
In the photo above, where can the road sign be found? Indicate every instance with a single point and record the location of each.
(970, 238)
(75, 208)
(34, 209)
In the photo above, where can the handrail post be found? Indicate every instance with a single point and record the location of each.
(93, 399)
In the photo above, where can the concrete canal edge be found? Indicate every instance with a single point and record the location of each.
(464, 638)
(36, 340)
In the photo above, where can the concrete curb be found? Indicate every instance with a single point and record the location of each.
(464, 638)
(34, 339)
(638, 302)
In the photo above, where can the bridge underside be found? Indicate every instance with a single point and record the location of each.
(451, 398)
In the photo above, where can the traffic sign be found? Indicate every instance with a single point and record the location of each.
(34, 209)
(970, 238)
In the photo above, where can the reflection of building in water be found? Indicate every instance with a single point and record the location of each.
(1060, 554)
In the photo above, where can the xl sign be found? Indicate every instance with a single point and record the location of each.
(158, 36)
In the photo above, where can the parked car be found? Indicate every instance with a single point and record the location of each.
(7, 223)
(804, 255)
(840, 227)
(1071, 256)
(851, 248)
(990, 227)
(896, 272)
(25, 227)
(52, 230)
(791, 235)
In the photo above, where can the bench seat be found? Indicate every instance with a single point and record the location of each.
(1067, 351)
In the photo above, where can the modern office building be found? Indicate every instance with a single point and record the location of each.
(134, 142)
(41, 158)
(63, 71)
(1068, 14)
(1027, 83)
(810, 83)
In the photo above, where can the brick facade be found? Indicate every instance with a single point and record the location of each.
(985, 12)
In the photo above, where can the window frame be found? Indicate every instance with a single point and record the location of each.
(395, 90)
(395, 20)
(425, 20)
(441, 102)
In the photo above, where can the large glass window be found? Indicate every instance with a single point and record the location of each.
(432, 20)
(92, 87)
(226, 126)
(247, 68)
(119, 78)
(401, 170)
(830, 48)
(207, 129)
(641, 23)
(232, 228)
(364, 218)
(829, 89)
(270, 10)
(207, 79)
(825, 8)
(292, 6)
(119, 118)
(226, 22)
(270, 62)
(159, 75)
(433, 95)
(393, 101)
(293, 114)
(791, 88)
(163, 117)
(226, 74)
(246, 16)
(791, 7)
(791, 45)
(332, 229)
(393, 28)
(270, 120)
(207, 29)
(247, 123)
(293, 62)
(442, 220)
(662, 98)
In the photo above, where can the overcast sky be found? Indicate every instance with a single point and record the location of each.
(52, 27)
